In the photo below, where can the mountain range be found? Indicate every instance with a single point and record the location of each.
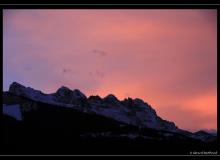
(91, 125)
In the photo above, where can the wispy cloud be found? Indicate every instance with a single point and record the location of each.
(97, 73)
(66, 70)
(100, 53)
(166, 57)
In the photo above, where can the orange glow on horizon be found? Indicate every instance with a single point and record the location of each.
(168, 58)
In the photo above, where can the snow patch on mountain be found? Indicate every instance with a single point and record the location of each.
(13, 111)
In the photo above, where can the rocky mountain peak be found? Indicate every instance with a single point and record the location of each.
(79, 94)
(28, 92)
(130, 111)
(62, 91)
(111, 97)
(68, 96)
(95, 98)
(16, 88)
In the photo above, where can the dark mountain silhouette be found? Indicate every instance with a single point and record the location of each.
(67, 122)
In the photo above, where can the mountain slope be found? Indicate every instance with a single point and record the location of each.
(130, 111)
(67, 122)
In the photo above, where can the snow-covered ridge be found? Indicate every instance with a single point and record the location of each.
(129, 111)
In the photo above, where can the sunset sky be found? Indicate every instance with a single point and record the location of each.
(168, 58)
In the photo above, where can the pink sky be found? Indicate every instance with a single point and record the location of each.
(166, 57)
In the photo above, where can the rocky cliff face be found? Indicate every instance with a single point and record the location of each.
(130, 111)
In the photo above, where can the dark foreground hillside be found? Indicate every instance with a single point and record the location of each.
(57, 130)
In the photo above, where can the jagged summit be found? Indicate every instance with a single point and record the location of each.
(15, 84)
(16, 88)
(111, 99)
(95, 98)
(66, 95)
(130, 111)
(63, 89)
(79, 94)
(111, 96)
(28, 92)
